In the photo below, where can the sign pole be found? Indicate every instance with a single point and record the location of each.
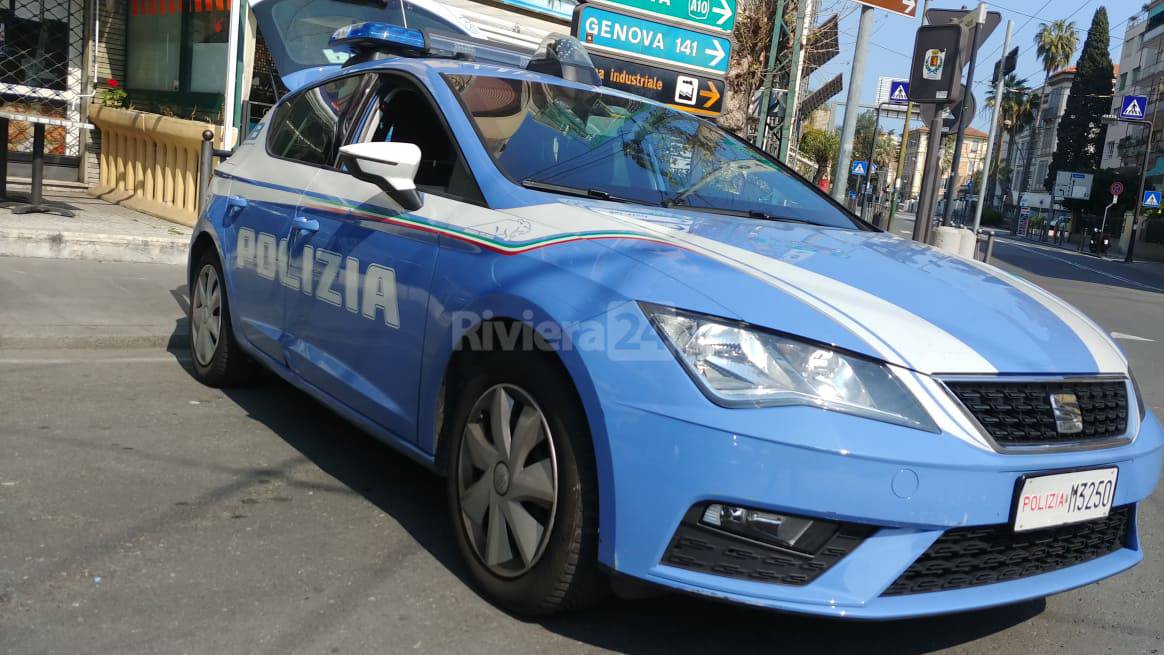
(800, 30)
(896, 192)
(849, 126)
(926, 201)
(872, 149)
(999, 89)
(953, 182)
(769, 71)
(1128, 258)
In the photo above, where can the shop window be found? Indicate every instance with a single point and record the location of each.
(34, 43)
(177, 46)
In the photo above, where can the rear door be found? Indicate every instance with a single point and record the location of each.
(359, 334)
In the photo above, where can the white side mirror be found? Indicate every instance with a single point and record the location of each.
(390, 166)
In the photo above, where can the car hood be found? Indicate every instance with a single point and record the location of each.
(890, 298)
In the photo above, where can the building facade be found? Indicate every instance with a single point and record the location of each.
(971, 162)
(1141, 69)
(1046, 130)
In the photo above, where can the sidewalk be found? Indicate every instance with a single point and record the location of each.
(99, 231)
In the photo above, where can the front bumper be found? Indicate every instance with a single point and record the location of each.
(911, 486)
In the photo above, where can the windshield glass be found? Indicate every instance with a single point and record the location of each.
(547, 135)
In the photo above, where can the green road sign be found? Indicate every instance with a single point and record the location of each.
(702, 14)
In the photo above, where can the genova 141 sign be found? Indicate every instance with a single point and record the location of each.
(621, 34)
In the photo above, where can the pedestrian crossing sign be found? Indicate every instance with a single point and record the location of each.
(1133, 108)
(859, 168)
(1151, 199)
(899, 92)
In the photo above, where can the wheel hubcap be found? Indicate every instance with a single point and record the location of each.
(507, 478)
(206, 315)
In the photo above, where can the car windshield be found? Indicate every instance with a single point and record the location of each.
(567, 140)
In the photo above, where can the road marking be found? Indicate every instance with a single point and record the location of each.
(100, 360)
(1130, 337)
(1039, 251)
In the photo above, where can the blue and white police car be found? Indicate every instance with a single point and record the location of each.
(640, 348)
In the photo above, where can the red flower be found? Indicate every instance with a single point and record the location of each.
(112, 83)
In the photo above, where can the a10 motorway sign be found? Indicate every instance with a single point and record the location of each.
(701, 14)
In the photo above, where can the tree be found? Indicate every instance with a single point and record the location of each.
(1079, 142)
(821, 146)
(1015, 101)
(1054, 44)
(749, 60)
(1021, 120)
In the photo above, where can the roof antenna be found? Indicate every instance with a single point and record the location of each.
(403, 16)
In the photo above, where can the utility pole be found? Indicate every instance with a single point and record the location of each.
(849, 126)
(950, 186)
(998, 93)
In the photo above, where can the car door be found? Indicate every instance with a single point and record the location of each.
(358, 323)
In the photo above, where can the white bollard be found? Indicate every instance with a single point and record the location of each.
(947, 238)
(969, 243)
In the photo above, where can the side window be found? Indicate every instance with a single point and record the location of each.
(308, 127)
(404, 115)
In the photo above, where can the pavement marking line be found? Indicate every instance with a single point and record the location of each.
(95, 360)
(1039, 251)
(1130, 337)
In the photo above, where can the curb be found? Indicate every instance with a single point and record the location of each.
(55, 244)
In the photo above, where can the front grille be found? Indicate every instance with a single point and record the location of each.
(699, 547)
(1019, 413)
(969, 557)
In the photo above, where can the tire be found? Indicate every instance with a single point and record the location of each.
(559, 569)
(217, 359)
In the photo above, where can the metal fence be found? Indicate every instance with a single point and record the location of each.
(41, 71)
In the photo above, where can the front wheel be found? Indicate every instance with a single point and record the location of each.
(522, 488)
(217, 359)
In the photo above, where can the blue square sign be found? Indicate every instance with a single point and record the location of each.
(1133, 107)
(1151, 200)
(899, 92)
(859, 168)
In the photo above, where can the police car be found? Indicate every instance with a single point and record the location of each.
(641, 349)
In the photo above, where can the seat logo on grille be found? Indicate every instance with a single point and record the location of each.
(1068, 416)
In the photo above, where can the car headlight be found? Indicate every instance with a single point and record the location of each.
(1140, 404)
(739, 365)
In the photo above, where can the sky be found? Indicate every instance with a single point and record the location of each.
(891, 45)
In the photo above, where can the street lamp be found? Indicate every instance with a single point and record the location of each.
(1111, 119)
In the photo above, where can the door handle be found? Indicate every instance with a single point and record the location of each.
(234, 206)
(304, 224)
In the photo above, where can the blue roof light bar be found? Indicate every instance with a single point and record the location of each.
(379, 36)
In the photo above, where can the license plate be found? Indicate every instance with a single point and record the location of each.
(1048, 500)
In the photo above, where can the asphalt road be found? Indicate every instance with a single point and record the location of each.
(142, 512)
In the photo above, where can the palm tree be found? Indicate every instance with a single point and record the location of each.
(1055, 42)
(1015, 97)
(821, 146)
(1022, 118)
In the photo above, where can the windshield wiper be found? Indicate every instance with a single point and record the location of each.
(746, 213)
(765, 216)
(589, 192)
